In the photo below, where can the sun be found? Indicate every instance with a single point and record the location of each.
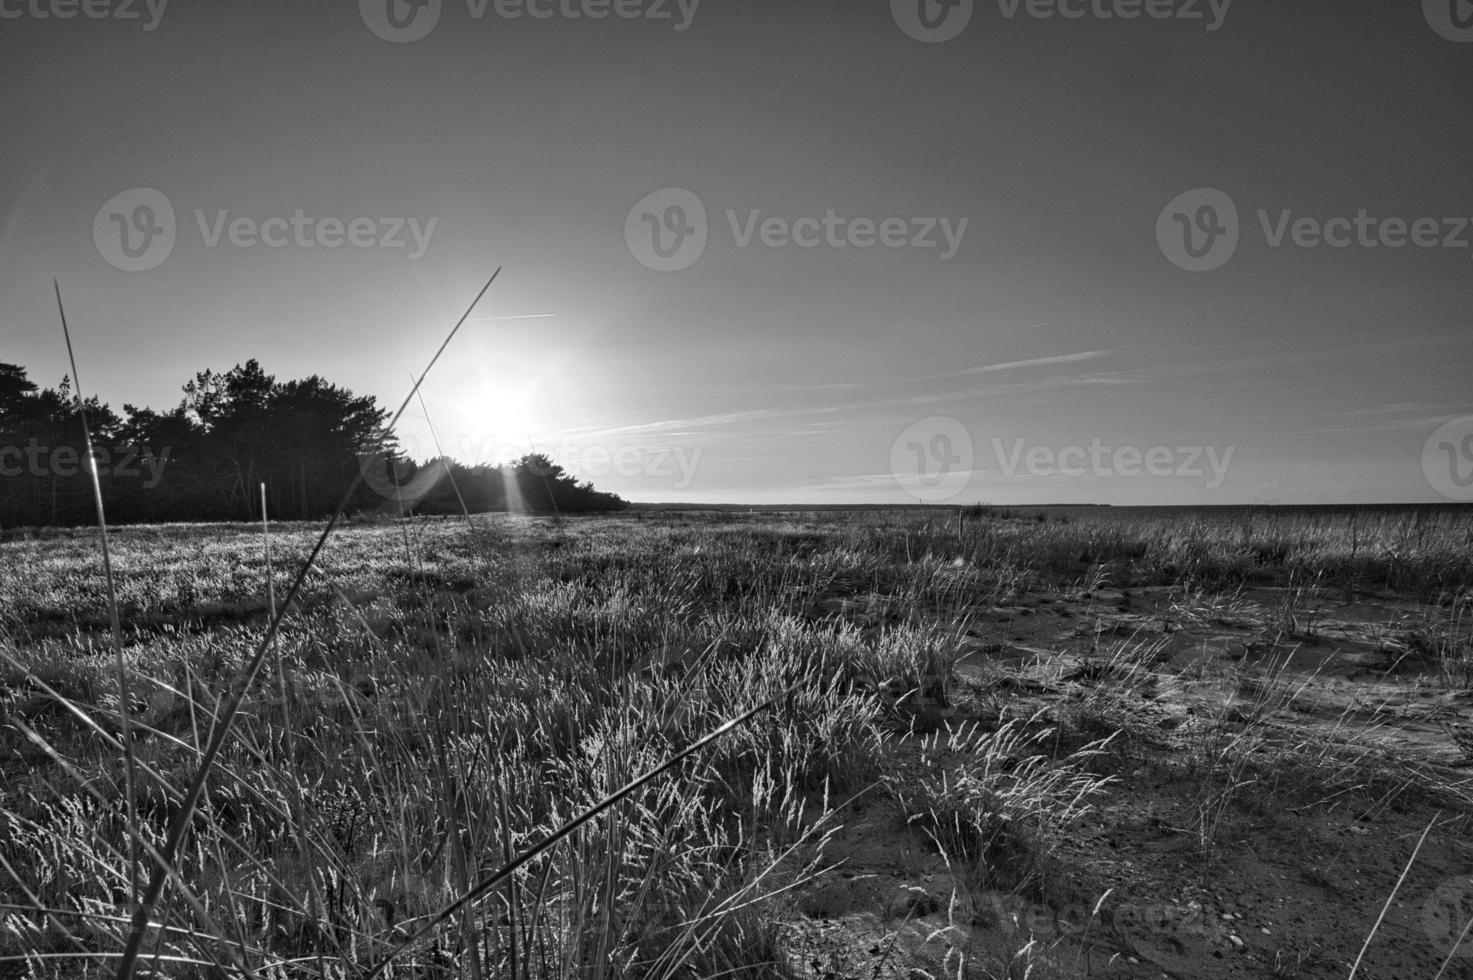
(498, 407)
(488, 410)
(490, 422)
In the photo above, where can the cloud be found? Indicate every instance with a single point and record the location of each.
(679, 425)
(1421, 423)
(1088, 355)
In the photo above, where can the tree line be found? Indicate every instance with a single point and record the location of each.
(205, 459)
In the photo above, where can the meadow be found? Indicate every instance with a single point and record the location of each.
(973, 743)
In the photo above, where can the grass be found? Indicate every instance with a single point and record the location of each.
(435, 711)
(399, 743)
(998, 800)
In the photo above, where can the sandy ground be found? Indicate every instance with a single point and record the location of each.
(1271, 882)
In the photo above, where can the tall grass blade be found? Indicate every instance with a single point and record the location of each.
(266, 549)
(124, 709)
(299, 816)
(177, 827)
(1392, 897)
(449, 469)
(1457, 945)
(488, 883)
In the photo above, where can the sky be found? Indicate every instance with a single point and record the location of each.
(778, 251)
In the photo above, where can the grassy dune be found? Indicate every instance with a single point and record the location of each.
(1120, 745)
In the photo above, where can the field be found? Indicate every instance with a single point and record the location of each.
(1090, 742)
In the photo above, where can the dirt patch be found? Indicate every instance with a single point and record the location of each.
(1269, 790)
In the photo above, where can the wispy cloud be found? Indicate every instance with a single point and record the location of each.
(1267, 362)
(842, 386)
(1088, 355)
(1421, 423)
(857, 481)
(679, 425)
(1401, 408)
(1106, 379)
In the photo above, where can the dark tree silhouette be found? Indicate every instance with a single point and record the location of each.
(206, 459)
(43, 449)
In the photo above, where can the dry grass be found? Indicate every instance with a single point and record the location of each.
(440, 709)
